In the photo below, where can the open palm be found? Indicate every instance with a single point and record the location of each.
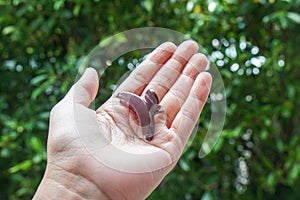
(105, 147)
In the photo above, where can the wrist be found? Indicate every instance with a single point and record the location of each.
(58, 183)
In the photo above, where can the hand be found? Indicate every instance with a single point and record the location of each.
(97, 154)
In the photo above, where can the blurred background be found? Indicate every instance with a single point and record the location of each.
(254, 44)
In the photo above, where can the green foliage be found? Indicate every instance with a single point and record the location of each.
(254, 43)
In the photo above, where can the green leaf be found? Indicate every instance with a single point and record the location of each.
(148, 5)
(295, 17)
(38, 91)
(106, 42)
(184, 165)
(58, 4)
(207, 196)
(77, 9)
(280, 145)
(294, 173)
(25, 165)
(121, 38)
(36, 144)
(8, 30)
(271, 180)
(22, 191)
(44, 115)
(218, 145)
(38, 79)
(283, 21)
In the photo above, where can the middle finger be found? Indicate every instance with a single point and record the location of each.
(169, 73)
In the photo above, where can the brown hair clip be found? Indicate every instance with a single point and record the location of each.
(145, 106)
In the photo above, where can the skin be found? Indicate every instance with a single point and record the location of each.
(176, 75)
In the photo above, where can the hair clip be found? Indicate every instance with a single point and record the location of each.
(145, 106)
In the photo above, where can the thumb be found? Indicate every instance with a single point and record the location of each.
(85, 89)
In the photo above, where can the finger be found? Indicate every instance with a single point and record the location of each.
(168, 74)
(179, 92)
(85, 89)
(140, 77)
(189, 113)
